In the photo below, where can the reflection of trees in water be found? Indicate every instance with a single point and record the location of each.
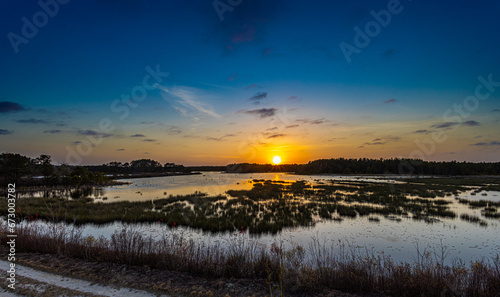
(67, 192)
(84, 192)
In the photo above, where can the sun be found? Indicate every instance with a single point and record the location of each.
(276, 160)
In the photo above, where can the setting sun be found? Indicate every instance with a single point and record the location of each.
(276, 160)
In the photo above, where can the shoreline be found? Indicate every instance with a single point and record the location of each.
(147, 175)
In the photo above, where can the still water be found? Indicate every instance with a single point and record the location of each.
(390, 236)
(212, 183)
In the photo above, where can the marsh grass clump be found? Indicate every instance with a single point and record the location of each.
(491, 214)
(269, 206)
(473, 219)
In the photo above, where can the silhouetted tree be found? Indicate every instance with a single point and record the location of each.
(145, 165)
(14, 166)
(44, 165)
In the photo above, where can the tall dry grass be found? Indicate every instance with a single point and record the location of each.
(296, 269)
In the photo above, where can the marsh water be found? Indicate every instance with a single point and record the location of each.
(350, 212)
(211, 183)
(397, 235)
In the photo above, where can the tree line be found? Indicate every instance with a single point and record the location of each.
(374, 166)
(23, 170)
(18, 168)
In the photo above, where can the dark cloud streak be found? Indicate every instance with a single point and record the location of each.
(491, 143)
(6, 132)
(53, 131)
(7, 106)
(258, 97)
(261, 112)
(33, 121)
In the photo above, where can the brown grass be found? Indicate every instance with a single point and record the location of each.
(294, 269)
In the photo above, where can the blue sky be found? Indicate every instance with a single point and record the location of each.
(266, 78)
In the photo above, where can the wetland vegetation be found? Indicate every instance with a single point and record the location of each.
(270, 206)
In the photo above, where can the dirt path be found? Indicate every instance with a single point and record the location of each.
(31, 282)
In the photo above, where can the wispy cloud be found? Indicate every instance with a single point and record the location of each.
(445, 125)
(383, 140)
(471, 123)
(261, 112)
(313, 121)
(336, 138)
(491, 143)
(251, 86)
(246, 35)
(276, 135)
(190, 104)
(424, 131)
(40, 122)
(53, 131)
(149, 140)
(6, 132)
(222, 138)
(233, 76)
(266, 52)
(174, 130)
(390, 101)
(388, 54)
(93, 133)
(8, 106)
(33, 121)
(258, 97)
(138, 135)
(191, 136)
(120, 149)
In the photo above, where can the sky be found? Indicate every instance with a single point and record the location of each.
(230, 81)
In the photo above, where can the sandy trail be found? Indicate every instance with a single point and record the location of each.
(31, 282)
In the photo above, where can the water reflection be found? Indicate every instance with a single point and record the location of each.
(384, 212)
(65, 192)
(221, 202)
